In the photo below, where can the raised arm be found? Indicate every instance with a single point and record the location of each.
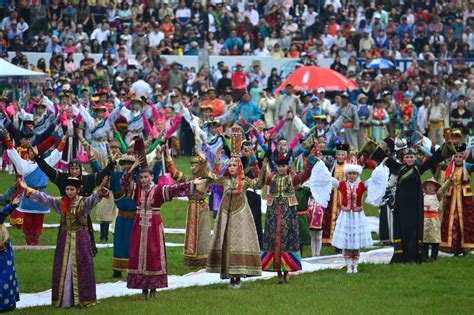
(44, 199)
(5, 198)
(321, 183)
(50, 171)
(90, 123)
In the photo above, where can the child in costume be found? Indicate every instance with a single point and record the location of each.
(73, 268)
(315, 219)
(433, 194)
(352, 230)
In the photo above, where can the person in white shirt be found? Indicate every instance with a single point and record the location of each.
(101, 33)
(327, 38)
(252, 14)
(128, 38)
(324, 103)
(309, 17)
(141, 88)
(183, 14)
(339, 40)
(261, 51)
(155, 36)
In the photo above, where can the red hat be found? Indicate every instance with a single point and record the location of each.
(238, 64)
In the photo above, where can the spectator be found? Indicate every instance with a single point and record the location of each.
(238, 79)
(232, 41)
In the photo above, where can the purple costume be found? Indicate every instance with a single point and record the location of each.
(73, 269)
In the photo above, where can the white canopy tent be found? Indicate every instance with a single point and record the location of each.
(10, 71)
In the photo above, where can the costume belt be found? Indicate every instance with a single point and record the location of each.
(431, 214)
(126, 214)
(347, 125)
(347, 209)
(154, 210)
(74, 228)
(257, 191)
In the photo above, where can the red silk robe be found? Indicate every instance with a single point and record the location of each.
(147, 268)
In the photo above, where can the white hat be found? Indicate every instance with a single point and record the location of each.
(348, 168)
(321, 90)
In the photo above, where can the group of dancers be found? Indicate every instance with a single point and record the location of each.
(311, 182)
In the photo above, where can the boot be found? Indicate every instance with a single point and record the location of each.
(349, 265)
(36, 239)
(434, 251)
(355, 262)
(104, 232)
(29, 239)
(144, 294)
(116, 274)
(153, 294)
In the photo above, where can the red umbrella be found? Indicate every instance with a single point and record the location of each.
(311, 77)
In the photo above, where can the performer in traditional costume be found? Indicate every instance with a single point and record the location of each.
(9, 291)
(33, 213)
(433, 195)
(73, 268)
(127, 208)
(315, 219)
(235, 252)
(352, 231)
(198, 221)
(280, 250)
(408, 208)
(331, 211)
(457, 228)
(303, 193)
(147, 267)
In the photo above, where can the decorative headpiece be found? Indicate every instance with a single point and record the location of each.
(75, 162)
(126, 158)
(343, 147)
(73, 181)
(352, 166)
(236, 141)
(433, 181)
(26, 132)
(283, 159)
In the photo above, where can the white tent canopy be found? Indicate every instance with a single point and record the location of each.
(8, 70)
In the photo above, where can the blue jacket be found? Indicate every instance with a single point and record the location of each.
(249, 110)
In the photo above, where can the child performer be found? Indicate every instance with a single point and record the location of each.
(352, 230)
(73, 269)
(315, 219)
(433, 194)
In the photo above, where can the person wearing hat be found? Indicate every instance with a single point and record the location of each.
(379, 120)
(433, 196)
(315, 110)
(461, 117)
(331, 211)
(351, 121)
(408, 208)
(407, 113)
(97, 128)
(33, 213)
(73, 268)
(238, 79)
(457, 231)
(198, 223)
(281, 250)
(147, 235)
(352, 232)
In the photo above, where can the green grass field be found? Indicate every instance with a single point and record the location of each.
(399, 289)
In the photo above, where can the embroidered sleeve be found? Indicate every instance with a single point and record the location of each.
(377, 185)
(44, 199)
(321, 184)
(180, 190)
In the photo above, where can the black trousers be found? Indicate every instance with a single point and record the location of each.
(255, 202)
(384, 230)
(434, 250)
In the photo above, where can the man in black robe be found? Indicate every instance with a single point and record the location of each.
(408, 208)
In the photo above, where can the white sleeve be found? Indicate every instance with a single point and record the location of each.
(49, 105)
(377, 185)
(20, 164)
(321, 184)
(300, 125)
(87, 117)
(53, 158)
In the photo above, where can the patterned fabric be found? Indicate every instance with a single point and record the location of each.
(9, 291)
(457, 228)
(290, 261)
(234, 248)
(432, 224)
